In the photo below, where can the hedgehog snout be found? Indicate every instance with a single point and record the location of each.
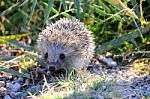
(53, 66)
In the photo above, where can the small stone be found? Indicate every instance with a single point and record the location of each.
(3, 91)
(7, 75)
(31, 97)
(92, 95)
(15, 79)
(97, 63)
(148, 88)
(135, 84)
(104, 88)
(20, 79)
(142, 84)
(140, 79)
(108, 61)
(108, 54)
(100, 97)
(27, 82)
(9, 85)
(3, 78)
(16, 87)
(123, 82)
(146, 93)
(15, 94)
(148, 77)
(7, 97)
(133, 96)
(2, 83)
(28, 75)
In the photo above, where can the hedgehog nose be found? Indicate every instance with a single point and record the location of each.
(52, 69)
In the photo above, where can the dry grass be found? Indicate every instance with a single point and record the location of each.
(70, 87)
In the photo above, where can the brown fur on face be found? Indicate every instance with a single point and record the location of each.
(66, 44)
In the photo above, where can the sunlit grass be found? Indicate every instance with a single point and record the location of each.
(71, 86)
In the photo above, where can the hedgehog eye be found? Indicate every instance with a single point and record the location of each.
(46, 56)
(61, 56)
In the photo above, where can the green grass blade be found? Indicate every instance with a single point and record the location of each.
(52, 8)
(9, 9)
(120, 40)
(15, 36)
(23, 3)
(136, 8)
(10, 37)
(23, 12)
(65, 13)
(17, 44)
(64, 4)
(34, 2)
(99, 11)
(105, 7)
(85, 6)
(48, 10)
(7, 58)
(77, 6)
(13, 72)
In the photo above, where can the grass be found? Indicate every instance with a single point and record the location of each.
(107, 19)
(67, 87)
(118, 26)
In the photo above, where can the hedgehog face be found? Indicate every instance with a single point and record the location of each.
(58, 55)
(60, 52)
(56, 64)
(54, 57)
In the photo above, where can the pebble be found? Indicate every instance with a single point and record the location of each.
(3, 91)
(7, 97)
(108, 61)
(7, 75)
(146, 93)
(104, 88)
(15, 94)
(148, 88)
(2, 83)
(20, 79)
(16, 87)
(99, 97)
(148, 77)
(9, 85)
(3, 78)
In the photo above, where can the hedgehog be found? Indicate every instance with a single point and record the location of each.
(67, 43)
